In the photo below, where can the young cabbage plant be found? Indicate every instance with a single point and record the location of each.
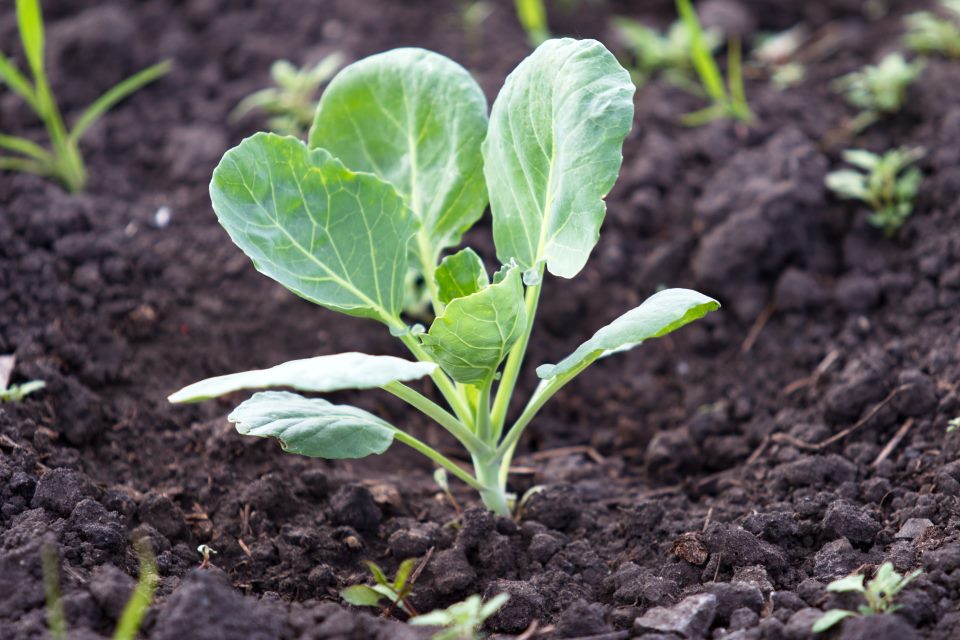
(728, 100)
(290, 104)
(62, 161)
(878, 90)
(932, 34)
(879, 594)
(668, 53)
(463, 620)
(400, 162)
(885, 182)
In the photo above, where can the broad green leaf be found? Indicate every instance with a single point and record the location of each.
(861, 158)
(460, 275)
(475, 332)
(553, 152)
(830, 618)
(312, 426)
(360, 595)
(850, 583)
(415, 119)
(333, 236)
(30, 23)
(321, 374)
(659, 314)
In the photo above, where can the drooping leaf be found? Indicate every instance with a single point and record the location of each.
(659, 314)
(415, 119)
(553, 151)
(330, 235)
(312, 426)
(360, 595)
(321, 374)
(830, 618)
(475, 332)
(460, 275)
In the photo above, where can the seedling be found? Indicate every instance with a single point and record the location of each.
(472, 15)
(729, 100)
(878, 90)
(205, 552)
(777, 54)
(15, 392)
(395, 591)
(290, 104)
(879, 594)
(400, 161)
(133, 613)
(933, 34)
(667, 53)
(884, 182)
(532, 15)
(443, 481)
(463, 620)
(953, 424)
(62, 161)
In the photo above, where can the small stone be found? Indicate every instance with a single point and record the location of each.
(689, 547)
(913, 528)
(734, 595)
(743, 619)
(690, 618)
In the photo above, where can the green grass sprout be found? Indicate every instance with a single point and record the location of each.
(879, 594)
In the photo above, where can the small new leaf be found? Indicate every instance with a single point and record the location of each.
(321, 374)
(460, 275)
(312, 426)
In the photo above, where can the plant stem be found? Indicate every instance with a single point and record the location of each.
(514, 361)
(444, 384)
(438, 458)
(428, 265)
(443, 417)
(493, 492)
(482, 421)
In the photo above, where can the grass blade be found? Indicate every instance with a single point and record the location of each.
(25, 165)
(30, 23)
(700, 54)
(56, 621)
(18, 82)
(115, 95)
(738, 95)
(139, 602)
(25, 147)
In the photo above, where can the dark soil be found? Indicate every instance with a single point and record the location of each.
(702, 493)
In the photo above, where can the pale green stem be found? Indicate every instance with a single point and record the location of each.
(514, 361)
(493, 493)
(482, 421)
(428, 262)
(438, 458)
(443, 417)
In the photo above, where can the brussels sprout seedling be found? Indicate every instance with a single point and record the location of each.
(462, 621)
(929, 33)
(62, 161)
(291, 103)
(400, 162)
(878, 90)
(879, 594)
(880, 184)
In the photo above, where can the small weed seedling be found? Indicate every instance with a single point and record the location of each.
(667, 53)
(932, 34)
(62, 161)
(729, 100)
(953, 425)
(878, 90)
(133, 613)
(777, 55)
(884, 182)
(401, 161)
(205, 551)
(879, 594)
(291, 103)
(532, 15)
(15, 392)
(396, 591)
(463, 620)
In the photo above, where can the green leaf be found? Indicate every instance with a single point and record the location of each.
(850, 583)
(311, 426)
(476, 332)
(378, 574)
(17, 82)
(700, 54)
(321, 374)
(105, 102)
(30, 23)
(333, 236)
(861, 158)
(415, 119)
(403, 574)
(493, 605)
(553, 152)
(830, 618)
(360, 595)
(659, 314)
(460, 275)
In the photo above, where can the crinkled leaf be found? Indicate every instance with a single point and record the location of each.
(475, 332)
(321, 374)
(312, 426)
(415, 119)
(330, 235)
(553, 152)
(460, 275)
(659, 314)
(360, 595)
(830, 618)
